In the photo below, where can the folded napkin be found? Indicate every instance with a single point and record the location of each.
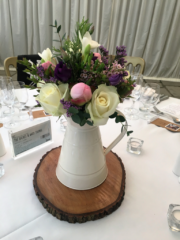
(137, 87)
(149, 92)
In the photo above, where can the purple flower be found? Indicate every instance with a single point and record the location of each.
(40, 71)
(115, 79)
(67, 105)
(62, 73)
(94, 58)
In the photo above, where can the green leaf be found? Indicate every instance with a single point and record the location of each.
(86, 115)
(52, 26)
(55, 23)
(89, 123)
(76, 118)
(129, 132)
(120, 119)
(113, 115)
(56, 40)
(73, 110)
(63, 36)
(59, 29)
(83, 121)
(27, 70)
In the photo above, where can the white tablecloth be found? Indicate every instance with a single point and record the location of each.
(150, 188)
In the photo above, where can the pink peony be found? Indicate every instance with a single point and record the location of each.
(80, 93)
(98, 55)
(47, 64)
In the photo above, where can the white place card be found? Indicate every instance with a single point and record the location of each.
(30, 137)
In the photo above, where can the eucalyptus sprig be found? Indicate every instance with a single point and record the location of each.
(58, 29)
(121, 119)
(80, 117)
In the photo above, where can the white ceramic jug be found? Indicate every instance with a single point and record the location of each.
(82, 162)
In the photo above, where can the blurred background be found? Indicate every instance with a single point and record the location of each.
(148, 29)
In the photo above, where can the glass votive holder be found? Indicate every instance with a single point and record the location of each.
(1, 170)
(173, 217)
(134, 145)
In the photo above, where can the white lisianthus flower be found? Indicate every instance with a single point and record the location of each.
(103, 104)
(50, 96)
(87, 40)
(46, 55)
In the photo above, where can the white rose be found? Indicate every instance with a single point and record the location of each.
(40, 84)
(103, 104)
(50, 96)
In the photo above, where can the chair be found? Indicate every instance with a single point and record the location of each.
(21, 75)
(135, 61)
(8, 62)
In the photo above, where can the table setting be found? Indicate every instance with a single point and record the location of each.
(107, 164)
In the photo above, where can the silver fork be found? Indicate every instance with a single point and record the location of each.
(176, 120)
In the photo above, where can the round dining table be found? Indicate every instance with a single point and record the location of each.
(150, 188)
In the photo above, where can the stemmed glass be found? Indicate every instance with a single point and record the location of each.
(131, 111)
(8, 100)
(3, 118)
(6, 80)
(21, 98)
(149, 97)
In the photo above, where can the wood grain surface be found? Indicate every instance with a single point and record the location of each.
(78, 205)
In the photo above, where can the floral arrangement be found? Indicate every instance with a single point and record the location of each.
(85, 86)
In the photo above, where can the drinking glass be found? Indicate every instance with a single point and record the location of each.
(149, 97)
(21, 98)
(131, 111)
(6, 80)
(3, 118)
(8, 100)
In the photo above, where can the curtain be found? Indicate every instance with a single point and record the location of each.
(149, 29)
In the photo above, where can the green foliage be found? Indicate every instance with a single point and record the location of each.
(121, 119)
(79, 117)
(83, 27)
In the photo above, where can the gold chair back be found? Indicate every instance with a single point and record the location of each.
(8, 62)
(135, 61)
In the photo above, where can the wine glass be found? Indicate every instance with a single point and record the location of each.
(6, 80)
(21, 98)
(8, 99)
(3, 119)
(149, 97)
(131, 111)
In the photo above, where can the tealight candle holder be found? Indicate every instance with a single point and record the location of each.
(173, 217)
(134, 145)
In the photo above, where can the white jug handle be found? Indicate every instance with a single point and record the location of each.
(121, 135)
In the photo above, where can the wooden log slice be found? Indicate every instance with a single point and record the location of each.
(78, 205)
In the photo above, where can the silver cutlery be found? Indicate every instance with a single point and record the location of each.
(162, 98)
(157, 111)
(26, 108)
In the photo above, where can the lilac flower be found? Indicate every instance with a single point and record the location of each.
(120, 54)
(62, 73)
(67, 105)
(40, 71)
(104, 51)
(52, 79)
